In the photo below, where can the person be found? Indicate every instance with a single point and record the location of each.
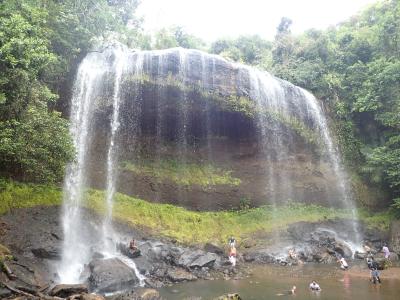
(372, 264)
(370, 261)
(343, 264)
(292, 253)
(314, 286)
(375, 276)
(291, 292)
(367, 249)
(232, 256)
(132, 245)
(232, 242)
(386, 251)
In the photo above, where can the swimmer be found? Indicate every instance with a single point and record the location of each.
(314, 286)
(291, 292)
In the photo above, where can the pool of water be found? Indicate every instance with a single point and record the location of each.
(268, 281)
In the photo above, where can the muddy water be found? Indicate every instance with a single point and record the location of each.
(267, 282)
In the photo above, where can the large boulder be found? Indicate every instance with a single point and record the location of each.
(110, 275)
(210, 247)
(138, 294)
(47, 253)
(179, 275)
(259, 255)
(66, 290)
(196, 259)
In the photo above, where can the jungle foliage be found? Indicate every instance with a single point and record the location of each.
(41, 42)
(354, 68)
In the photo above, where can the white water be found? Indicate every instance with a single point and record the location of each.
(112, 159)
(270, 96)
(78, 239)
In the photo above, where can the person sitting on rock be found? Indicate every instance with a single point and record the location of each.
(343, 264)
(314, 286)
(132, 245)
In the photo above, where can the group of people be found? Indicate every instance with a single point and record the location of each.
(314, 287)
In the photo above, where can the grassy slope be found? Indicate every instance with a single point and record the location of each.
(185, 174)
(184, 225)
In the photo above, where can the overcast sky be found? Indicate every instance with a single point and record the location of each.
(212, 19)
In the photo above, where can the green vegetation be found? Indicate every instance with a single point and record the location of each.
(186, 226)
(16, 195)
(41, 42)
(185, 174)
(354, 68)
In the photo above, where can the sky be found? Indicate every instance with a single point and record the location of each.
(213, 19)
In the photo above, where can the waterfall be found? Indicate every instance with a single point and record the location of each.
(166, 97)
(75, 250)
(112, 159)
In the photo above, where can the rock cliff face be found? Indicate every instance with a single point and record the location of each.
(201, 132)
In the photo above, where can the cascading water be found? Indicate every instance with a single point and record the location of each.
(89, 86)
(160, 104)
(112, 159)
(75, 251)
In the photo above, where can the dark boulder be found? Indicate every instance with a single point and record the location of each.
(209, 247)
(138, 294)
(110, 275)
(91, 297)
(196, 259)
(260, 255)
(5, 293)
(179, 275)
(49, 253)
(66, 290)
(206, 260)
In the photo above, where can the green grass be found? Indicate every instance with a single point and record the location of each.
(16, 195)
(186, 226)
(200, 227)
(379, 220)
(185, 174)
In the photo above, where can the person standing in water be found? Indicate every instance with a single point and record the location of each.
(343, 264)
(375, 276)
(314, 286)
